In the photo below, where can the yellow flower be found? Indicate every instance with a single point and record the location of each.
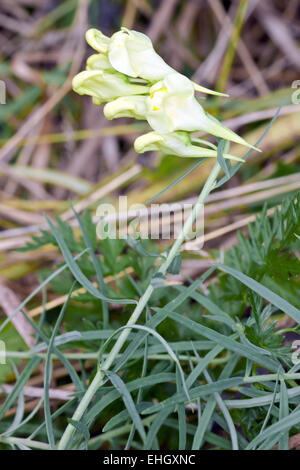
(132, 53)
(97, 40)
(168, 103)
(98, 62)
(172, 106)
(104, 86)
(126, 106)
(175, 143)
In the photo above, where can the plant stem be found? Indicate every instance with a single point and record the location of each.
(271, 377)
(85, 356)
(97, 382)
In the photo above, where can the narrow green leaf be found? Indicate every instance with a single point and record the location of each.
(283, 413)
(227, 342)
(159, 420)
(20, 383)
(266, 293)
(78, 274)
(47, 374)
(163, 342)
(97, 266)
(108, 398)
(203, 423)
(81, 428)
(182, 430)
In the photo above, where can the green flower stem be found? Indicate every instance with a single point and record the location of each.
(97, 382)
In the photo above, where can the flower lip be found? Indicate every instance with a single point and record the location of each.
(147, 142)
(132, 53)
(172, 106)
(98, 62)
(137, 40)
(80, 79)
(156, 98)
(126, 106)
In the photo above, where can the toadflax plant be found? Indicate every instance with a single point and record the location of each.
(132, 80)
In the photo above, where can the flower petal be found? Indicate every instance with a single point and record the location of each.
(132, 53)
(126, 106)
(98, 62)
(175, 143)
(105, 86)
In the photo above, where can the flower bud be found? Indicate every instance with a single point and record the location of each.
(132, 53)
(99, 62)
(175, 143)
(105, 86)
(126, 106)
(97, 40)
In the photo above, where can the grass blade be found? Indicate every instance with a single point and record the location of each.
(47, 374)
(203, 423)
(78, 274)
(128, 402)
(283, 412)
(263, 291)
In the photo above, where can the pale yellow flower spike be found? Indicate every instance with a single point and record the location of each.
(166, 99)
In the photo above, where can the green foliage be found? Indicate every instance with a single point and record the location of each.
(268, 256)
(261, 332)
